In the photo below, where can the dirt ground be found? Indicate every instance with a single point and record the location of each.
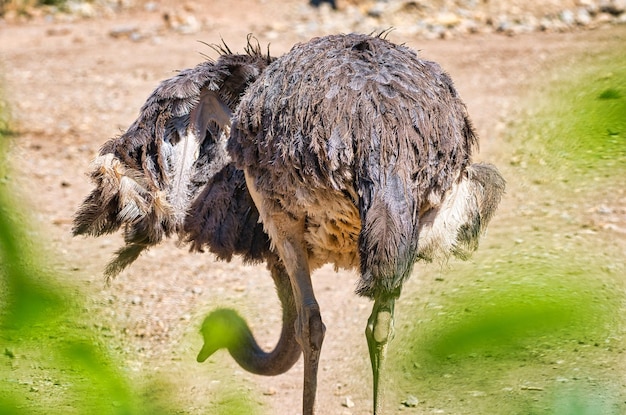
(72, 85)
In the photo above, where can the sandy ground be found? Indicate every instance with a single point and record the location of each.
(72, 85)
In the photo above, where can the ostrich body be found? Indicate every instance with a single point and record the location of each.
(348, 150)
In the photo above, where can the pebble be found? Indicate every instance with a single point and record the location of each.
(410, 401)
(269, 392)
(123, 31)
(568, 17)
(583, 18)
(614, 7)
(347, 402)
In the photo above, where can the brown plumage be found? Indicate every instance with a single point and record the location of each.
(349, 150)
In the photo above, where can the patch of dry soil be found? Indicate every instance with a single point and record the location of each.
(72, 85)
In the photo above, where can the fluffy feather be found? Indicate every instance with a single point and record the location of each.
(453, 227)
(147, 178)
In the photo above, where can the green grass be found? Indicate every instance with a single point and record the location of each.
(492, 333)
(54, 359)
(521, 304)
(575, 128)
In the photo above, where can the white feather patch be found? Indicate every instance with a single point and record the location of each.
(440, 226)
(184, 154)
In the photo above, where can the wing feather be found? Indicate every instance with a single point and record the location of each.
(146, 179)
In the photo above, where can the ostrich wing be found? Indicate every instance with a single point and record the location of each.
(147, 178)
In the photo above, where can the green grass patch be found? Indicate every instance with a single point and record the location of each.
(521, 336)
(502, 308)
(574, 127)
(52, 362)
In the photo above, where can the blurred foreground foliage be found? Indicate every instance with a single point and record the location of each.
(53, 359)
(42, 329)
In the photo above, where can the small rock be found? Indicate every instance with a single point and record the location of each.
(567, 17)
(151, 6)
(58, 31)
(583, 18)
(269, 392)
(347, 402)
(377, 10)
(82, 8)
(122, 32)
(613, 7)
(410, 401)
(182, 23)
(447, 19)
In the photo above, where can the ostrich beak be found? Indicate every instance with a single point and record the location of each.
(207, 350)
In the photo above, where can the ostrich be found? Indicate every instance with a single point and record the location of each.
(349, 150)
(358, 153)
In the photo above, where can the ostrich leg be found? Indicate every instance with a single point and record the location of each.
(287, 234)
(379, 332)
(309, 326)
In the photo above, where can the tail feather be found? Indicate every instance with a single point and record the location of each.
(455, 225)
(124, 256)
(119, 197)
(488, 187)
(97, 215)
(393, 237)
